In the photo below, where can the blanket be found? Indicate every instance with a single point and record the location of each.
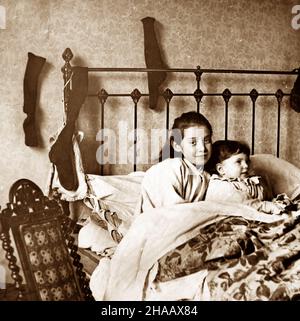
(133, 268)
(270, 271)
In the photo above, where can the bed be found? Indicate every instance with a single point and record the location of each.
(192, 251)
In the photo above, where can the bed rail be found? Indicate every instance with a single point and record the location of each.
(167, 94)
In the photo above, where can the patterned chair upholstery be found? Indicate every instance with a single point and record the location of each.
(42, 233)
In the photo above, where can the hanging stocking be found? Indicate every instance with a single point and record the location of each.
(61, 153)
(153, 60)
(32, 72)
(295, 95)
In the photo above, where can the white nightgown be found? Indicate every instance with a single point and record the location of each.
(172, 181)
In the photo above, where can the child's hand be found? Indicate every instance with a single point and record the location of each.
(285, 202)
(272, 208)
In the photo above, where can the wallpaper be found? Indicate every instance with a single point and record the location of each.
(221, 34)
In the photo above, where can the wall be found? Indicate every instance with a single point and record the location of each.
(212, 34)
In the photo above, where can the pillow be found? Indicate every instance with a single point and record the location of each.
(113, 200)
(94, 237)
(283, 176)
(116, 193)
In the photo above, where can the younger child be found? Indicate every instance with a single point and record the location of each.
(231, 180)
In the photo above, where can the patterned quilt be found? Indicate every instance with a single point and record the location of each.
(246, 260)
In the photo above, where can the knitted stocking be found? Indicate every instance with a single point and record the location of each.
(32, 72)
(153, 60)
(61, 153)
(295, 95)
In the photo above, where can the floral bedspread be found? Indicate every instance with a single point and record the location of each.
(245, 260)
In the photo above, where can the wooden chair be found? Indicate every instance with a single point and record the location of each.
(42, 233)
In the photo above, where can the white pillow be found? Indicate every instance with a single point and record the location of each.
(283, 176)
(117, 193)
(94, 237)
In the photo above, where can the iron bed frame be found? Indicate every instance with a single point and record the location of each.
(167, 94)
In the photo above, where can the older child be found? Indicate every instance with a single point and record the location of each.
(231, 180)
(180, 176)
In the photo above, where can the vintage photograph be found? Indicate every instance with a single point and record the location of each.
(150, 151)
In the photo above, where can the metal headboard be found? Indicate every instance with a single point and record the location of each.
(198, 94)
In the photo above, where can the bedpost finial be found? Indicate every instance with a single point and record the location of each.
(198, 74)
(67, 55)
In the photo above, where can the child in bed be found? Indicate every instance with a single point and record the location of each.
(232, 181)
(180, 176)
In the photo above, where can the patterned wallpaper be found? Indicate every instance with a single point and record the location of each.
(212, 34)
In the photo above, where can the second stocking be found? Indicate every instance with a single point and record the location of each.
(61, 153)
(153, 61)
(32, 72)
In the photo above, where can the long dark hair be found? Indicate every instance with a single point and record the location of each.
(181, 123)
(223, 149)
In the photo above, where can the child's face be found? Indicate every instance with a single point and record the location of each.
(234, 167)
(196, 145)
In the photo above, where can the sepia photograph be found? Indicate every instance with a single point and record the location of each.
(150, 151)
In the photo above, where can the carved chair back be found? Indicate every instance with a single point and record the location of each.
(43, 238)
